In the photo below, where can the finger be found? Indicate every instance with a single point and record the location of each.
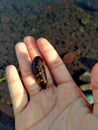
(25, 67)
(17, 91)
(31, 47)
(34, 51)
(94, 84)
(55, 63)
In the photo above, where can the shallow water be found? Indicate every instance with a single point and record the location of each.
(70, 28)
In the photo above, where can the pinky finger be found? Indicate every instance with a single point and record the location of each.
(17, 91)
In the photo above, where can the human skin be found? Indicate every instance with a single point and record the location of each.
(61, 106)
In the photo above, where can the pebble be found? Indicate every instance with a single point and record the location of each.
(5, 19)
(85, 87)
(85, 77)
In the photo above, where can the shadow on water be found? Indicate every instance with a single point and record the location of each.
(88, 5)
(88, 62)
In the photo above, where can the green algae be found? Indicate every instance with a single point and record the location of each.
(85, 21)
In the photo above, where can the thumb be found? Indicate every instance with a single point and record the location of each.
(94, 84)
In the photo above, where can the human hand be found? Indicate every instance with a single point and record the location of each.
(61, 106)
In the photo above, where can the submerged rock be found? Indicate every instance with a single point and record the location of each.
(85, 77)
(85, 87)
(89, 96)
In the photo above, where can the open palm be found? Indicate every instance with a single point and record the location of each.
(61, 106)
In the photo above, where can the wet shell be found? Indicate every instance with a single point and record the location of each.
(39, 71)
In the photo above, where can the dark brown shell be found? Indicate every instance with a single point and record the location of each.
(39, 71)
